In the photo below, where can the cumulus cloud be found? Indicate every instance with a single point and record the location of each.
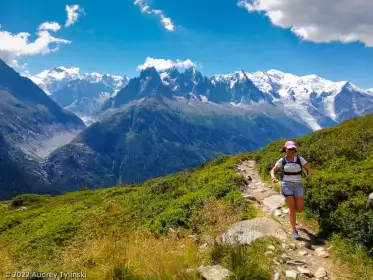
(73, 13)
(320, 21)
(164, 64)
(146, 9)
(52, 26)
(14, 46)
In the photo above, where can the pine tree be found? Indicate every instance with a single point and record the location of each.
(84, 187)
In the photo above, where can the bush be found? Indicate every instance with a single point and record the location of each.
(28, 199)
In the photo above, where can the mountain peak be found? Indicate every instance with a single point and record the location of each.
(149, 72)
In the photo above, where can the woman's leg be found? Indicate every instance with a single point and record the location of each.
(290, 200)
(299, 203)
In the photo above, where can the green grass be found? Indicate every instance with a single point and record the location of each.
(57, 233)
(246, 261)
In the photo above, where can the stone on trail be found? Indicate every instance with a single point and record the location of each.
(285, 210)
(271, 247)
(274, 202)
(295, 262)
(304, 270)
(291, 274)
(302, 253)
(215, 272)
(320, 252)
(276, 276)
(245, 232)
(277, 213)
(321, 272)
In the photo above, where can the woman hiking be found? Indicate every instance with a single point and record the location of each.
(291, 181)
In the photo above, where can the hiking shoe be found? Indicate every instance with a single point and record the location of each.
(296, 235)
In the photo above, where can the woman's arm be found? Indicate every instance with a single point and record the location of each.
(309, 172)
(273, 171)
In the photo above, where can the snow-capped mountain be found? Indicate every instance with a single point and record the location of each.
(82, 94)
(312, 100)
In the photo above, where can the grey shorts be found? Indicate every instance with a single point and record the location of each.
(292, 188)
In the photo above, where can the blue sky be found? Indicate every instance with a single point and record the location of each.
(115, 36)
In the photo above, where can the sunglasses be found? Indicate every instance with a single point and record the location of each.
(292, 149)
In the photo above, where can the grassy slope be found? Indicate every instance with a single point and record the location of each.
(125, 230)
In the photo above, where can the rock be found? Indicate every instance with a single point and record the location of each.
(295, 262)
(293, 246)
(215, 272)
(271, 247)
(284, 246)
(23, 208)
(245, 232)
(370, 200)
(302, 244)
(274, 202)
(285, 257)
(291, 274)
(285, 210)
(320, 252)
(269, 254)
(321, 272)
(277, 213)
(182, 246)
(203, 246)
(276, 276)
(304, 270)
(302, 253)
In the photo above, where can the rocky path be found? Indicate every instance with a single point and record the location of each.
(307, 258)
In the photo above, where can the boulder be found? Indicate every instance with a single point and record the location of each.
(302, 253)
(215, 272)
(321, 252)
(304, 270)
(291, 274)
(245, 232)
(274, 202)
(321, 272)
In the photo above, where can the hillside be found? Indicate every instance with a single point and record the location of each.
(342, 160)
(126, 231)
(30, 120)
(159, 136)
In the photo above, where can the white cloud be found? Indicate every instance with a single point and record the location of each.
(146, 9)
(73, 13)
(164, 64)
(320, 21)
(14, 46)
(52, 26)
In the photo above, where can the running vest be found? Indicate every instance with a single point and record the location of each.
(284, 162)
